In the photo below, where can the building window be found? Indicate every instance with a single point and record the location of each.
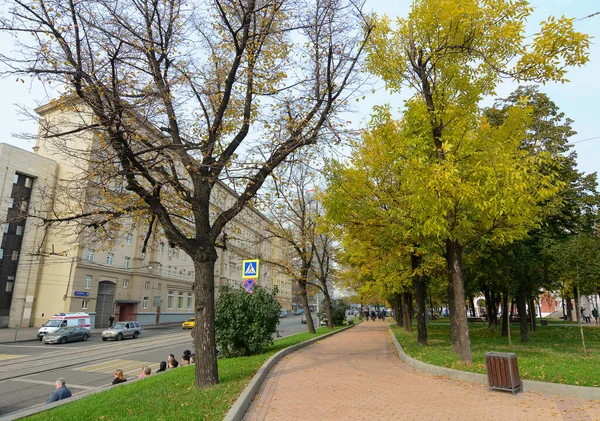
(170, 299)
(9, 286)
(182, 274)
(16, 179)
(147, 285)
(28, 181)
(24, 204)
(125, 283)
(6, 228)
(159, 287)
(129, 238)
(19, 229)
(190, 275)
(15, 255)
(88, 281)
(180, 300)
(90, 255)
(169, 271)
(11, 202)
(109, 258)
(161, 247)
(84, 304)
(160, 269)
(1, 253)
(170, 252)
(145, 303)
(126, 262)
(189, 300)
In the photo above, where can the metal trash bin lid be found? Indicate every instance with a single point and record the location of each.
(501, 354)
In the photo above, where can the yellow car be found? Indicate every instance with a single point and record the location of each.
(189, 323)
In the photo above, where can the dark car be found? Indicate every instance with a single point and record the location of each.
(67, 334)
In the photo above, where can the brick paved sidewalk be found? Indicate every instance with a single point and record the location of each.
(356, 376)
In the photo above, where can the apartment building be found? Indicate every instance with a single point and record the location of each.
(23, 176)
(68, 270)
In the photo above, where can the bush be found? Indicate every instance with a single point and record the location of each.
(245, 323)
(338, 312)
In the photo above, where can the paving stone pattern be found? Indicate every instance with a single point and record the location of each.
(355, 375)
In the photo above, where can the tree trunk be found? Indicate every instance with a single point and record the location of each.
(577, 304)
(522, 309)
(397, 309)
(459, 317)
(472, 305)
(569, 308)
(505, 314)
(532, 313)
(327, 303)
(451, 311)
(206, 370)
(307, 313)
(419, 286)
(406, 311)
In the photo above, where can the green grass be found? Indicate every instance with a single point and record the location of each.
(172, 395)
(554, 353)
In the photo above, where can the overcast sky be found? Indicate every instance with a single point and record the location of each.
(577, 99)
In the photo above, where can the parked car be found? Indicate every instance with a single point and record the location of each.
(189, 323)
(282, 314)
(122, 330)
(298, 311)
(67, 334)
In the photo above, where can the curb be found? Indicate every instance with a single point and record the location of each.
(566, 390)
(242, 403)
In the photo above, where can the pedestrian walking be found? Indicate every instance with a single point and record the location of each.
(595, 314)
(367, 314)
(383, 314)
(373, 315)
(61, 392)
(111, 320)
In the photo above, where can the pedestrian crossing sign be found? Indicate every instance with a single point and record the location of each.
(250, 268)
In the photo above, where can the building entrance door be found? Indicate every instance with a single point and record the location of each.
(104, 303)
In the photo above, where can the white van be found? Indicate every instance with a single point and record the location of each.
(62, 320)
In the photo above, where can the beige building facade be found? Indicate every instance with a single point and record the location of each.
(69, 270)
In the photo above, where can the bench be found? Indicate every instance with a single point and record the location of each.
(476, 319)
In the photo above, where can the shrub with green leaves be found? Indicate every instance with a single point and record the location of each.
(245, 323)
(338, 312)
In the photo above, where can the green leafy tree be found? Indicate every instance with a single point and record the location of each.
(245, 323)
(452, 54)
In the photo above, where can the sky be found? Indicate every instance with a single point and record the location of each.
(577, 99)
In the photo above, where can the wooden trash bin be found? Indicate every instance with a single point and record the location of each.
(503, 372)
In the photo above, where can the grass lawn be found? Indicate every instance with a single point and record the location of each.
(554, 353)
(172, 395)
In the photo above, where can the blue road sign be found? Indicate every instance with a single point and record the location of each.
(81, 294)
(250, 268)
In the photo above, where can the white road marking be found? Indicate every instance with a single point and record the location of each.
(75, 386)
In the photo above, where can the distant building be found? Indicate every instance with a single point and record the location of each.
(46, 270)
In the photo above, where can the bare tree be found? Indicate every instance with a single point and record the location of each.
(174, 97)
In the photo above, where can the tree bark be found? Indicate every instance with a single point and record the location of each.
(577, 304)
(396, 303)
(532, 313)
(327, 302)
(406, 311)
(472, 305)
(522, 309)
(419, 286)
(569, 308)
(459, 317)
(451, 311)
(505, 314)
(309, 321)
(206, 369)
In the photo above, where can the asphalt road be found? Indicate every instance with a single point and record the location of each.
(28, 370)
